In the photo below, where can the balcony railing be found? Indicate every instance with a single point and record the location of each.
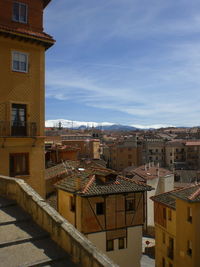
(18, 128)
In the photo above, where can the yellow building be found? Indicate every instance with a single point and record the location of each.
(177, 220)
(22, 50)
(108, 209)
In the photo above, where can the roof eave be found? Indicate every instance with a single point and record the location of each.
(46, 2)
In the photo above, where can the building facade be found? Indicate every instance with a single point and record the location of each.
(177, 221)
(22, 49)
(108, 209)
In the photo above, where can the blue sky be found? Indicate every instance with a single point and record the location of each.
(134, 62)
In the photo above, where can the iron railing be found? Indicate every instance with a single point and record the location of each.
(18, 128)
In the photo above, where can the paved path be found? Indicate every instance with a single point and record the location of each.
(23, 243)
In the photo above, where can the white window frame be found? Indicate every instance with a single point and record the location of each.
(20, 5)
(27, 61)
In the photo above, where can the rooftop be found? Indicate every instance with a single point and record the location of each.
(190, 194)
(148, 172)
(98, 182)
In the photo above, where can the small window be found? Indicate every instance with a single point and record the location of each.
(189, 214)
(164, 213)
(163, 262)
(189, 248)
(72, 203)
(129, 156)
(100, 208)
(169, 214)
(19, 61)
(109, 245)
(20, 11)
(130, 204)
(19, 164)
(121, 243)
(163, 237)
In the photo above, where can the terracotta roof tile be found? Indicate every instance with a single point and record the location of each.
(93, 186)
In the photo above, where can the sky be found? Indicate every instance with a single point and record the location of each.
(131, 62)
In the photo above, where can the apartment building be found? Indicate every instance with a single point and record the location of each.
(154, 151)
(108, 209)
(22, 50)
(123, 154)
(175, 154)
(177, 221)
(193, 154)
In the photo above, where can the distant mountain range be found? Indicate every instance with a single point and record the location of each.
(102, 125)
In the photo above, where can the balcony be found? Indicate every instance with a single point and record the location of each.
(18, 129)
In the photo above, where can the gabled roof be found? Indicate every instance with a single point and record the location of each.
(88, 183)
(166, 199)
(190, 194)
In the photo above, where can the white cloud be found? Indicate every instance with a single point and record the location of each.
(157, 83)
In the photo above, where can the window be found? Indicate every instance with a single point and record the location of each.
(189, 247)
(163, 238)
(130, 204)
(109, 245)
(20, 11)
(189, 214)
(72, 203)
(163, 262)
(100, 208)
(170, 253)
(19, 164)
(121, 244)
(18, 120)
(129, 156)
(19, 61)
(169, 214)
(164, 213)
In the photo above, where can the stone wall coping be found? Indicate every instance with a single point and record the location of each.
(79, 247)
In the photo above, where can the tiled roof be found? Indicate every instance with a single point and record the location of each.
(28, 34)
(88, 184)
(193, 143)
(190, 194)
(56, 171)
(148, 173)
(165, 198)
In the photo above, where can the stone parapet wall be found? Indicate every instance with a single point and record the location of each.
(81, 250)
